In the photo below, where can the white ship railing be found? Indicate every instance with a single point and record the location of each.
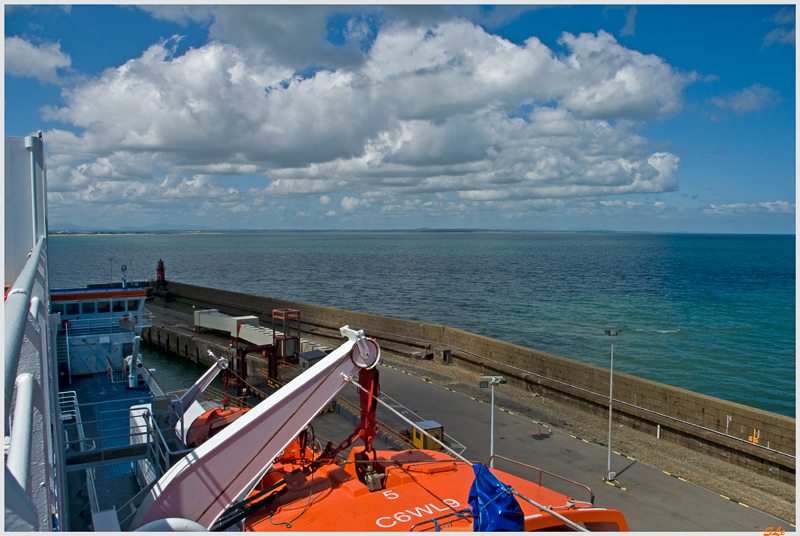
(99, 326)
(117, 374)
(68, 401)
(34, 462)
(160, 457)
(94, 504)
(109, 433)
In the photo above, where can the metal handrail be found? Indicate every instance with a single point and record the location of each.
(132, 505)
(123, 401)
(94, 504)
(212, 393)
(94, 325)
(16, 308)
(27, 333)
(526, 373)
(116, 374)
(69, 360)
(111, 433)
(161, 440)
(147, 316)
(157, 450)
(460, 514)
(396, 436)
(109, 324)
(68, 402)
(591, 495)
(19, 450)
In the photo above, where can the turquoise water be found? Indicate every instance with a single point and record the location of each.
(710, 313)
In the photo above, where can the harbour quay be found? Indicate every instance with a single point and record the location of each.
(757, 440)
(669, 415)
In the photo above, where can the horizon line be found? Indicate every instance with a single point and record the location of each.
(397, 230)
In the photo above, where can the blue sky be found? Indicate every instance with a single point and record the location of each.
(651, 118)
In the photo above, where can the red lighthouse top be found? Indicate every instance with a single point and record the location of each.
(160, 271)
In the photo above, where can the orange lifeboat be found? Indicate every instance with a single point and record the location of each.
(307, 489)
(210, 423)
(420, 490)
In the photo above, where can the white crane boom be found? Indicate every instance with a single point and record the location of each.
(223, 470)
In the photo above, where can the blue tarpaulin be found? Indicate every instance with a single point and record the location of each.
(493, 506)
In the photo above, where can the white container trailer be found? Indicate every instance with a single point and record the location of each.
(213, 319)
(255, 335)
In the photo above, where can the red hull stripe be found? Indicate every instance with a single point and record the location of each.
(104, 295)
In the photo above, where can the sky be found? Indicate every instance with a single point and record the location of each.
(655, 118)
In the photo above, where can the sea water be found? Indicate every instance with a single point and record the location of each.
(713, 314)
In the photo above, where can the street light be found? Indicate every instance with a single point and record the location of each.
(491, 380)
(611, 474)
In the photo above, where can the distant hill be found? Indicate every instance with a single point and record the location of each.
(73, 228)
(168, 227)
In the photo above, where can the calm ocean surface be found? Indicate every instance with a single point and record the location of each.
(713, 314)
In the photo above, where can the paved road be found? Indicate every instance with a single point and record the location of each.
(651, 500)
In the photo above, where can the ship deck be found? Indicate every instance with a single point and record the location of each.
(103, 425)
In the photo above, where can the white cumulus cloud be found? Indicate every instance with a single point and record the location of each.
(429, 110)
(773, 207)
(349, 204)
(43, 62)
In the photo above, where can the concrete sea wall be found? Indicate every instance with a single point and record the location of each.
(722, 429)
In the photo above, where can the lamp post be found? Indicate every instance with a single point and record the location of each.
(491, 380)
(611, 474)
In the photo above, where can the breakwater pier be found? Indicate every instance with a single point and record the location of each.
(716, 428)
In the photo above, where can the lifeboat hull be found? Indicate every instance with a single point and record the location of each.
(210, 423)
(423, 490)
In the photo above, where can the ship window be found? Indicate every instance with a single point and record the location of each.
(133, 305)
(87, 308)
(103, 307)
(57, 308)
(72, 309)
(118, 305)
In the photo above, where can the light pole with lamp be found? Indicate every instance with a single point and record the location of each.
(491, 380)
(611, 474)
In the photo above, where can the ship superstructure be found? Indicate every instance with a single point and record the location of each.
(97, 328)
(88, 429)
